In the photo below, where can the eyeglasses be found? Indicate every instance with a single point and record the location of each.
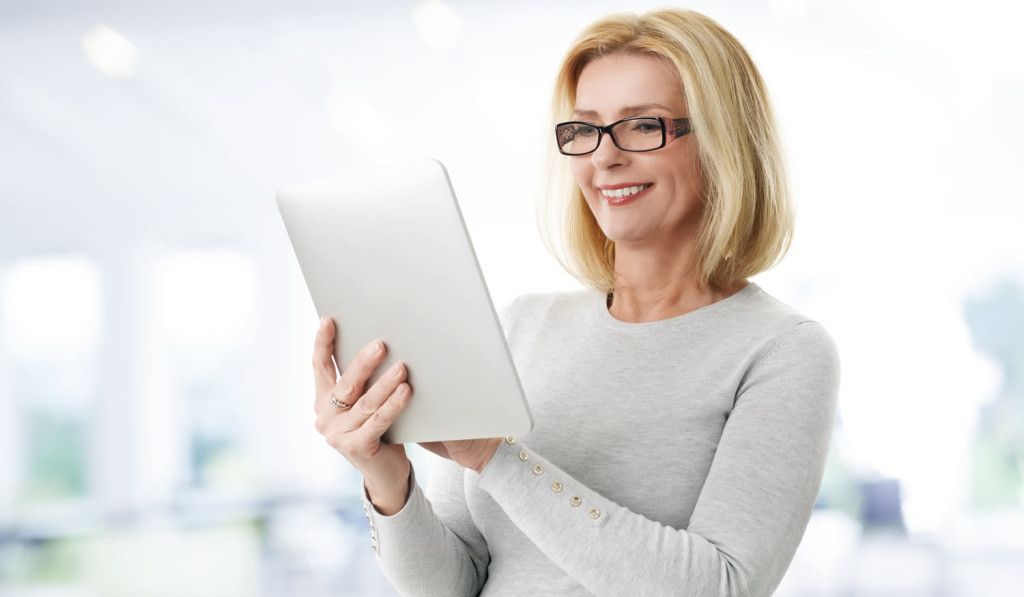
(640, 133)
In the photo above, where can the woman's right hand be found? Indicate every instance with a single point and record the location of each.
(355, 429)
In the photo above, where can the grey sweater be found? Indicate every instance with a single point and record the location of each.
(677, 457)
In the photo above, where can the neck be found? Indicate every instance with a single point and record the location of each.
(654, 286)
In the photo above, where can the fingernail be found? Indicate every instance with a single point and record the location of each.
(396, 370)
(375, 347)
(323, 322)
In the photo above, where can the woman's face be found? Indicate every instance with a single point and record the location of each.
(667, 208)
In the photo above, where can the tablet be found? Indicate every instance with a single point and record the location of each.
(386, 255)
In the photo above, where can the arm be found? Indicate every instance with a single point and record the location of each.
(752, 510)
(431, 546)
(418, 552)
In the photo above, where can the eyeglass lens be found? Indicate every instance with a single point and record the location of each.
(638, 134)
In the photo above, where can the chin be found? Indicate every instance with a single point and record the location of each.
(621, 235)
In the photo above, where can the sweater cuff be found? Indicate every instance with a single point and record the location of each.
(411, 515)
(522, 481)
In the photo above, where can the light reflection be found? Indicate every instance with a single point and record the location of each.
(110, 53)
(437, 23)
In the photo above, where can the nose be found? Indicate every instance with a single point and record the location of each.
(608, 155)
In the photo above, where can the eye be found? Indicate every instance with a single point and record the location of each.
(646, 126)
(577, 138)
(570, 132)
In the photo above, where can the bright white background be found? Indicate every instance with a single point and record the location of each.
(142, 261)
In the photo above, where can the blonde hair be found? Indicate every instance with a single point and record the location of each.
(747, 220)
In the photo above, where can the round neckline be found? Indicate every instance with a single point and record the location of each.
(605, 317)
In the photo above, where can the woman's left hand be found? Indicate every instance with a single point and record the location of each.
(473, 454)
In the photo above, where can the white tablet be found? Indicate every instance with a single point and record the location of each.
(386, 255)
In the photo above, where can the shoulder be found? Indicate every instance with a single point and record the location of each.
(787, 337)
(531, 317)
(769, 328)
(807, 347)
(761, 313)
(790, 363)
(759, 306)
(549, 304)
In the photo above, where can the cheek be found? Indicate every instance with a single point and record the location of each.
(580, 171)
(688, 180)
(694, 173)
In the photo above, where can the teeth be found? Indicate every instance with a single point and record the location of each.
(624, 191)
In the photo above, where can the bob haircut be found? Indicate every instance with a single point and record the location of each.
(747, 219)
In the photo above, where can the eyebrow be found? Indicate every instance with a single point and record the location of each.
(626, 112)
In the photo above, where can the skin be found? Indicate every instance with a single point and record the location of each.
(655, 237)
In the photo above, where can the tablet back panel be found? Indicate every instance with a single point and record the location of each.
(386, 255)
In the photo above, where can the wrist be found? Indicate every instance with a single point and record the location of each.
(389, 493)
(490, 448)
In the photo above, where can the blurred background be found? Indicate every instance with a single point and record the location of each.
(156, 429)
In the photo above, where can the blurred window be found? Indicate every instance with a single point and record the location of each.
(50, 331)
(202, 303)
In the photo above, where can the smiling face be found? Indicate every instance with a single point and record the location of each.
(640, 199)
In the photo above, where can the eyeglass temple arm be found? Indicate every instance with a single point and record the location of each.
(682, 127)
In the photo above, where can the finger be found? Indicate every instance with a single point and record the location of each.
(325, 374)
(349, 386)
(385, 416)
(365, 441)
(368, 404)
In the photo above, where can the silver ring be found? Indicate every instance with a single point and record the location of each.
(338, 403)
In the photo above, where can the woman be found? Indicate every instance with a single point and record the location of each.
(682, 414)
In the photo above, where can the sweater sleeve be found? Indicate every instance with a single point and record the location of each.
(751, 512)
(431, 546)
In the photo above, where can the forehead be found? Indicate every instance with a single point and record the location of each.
(610, 85)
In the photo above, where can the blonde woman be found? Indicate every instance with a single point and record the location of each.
(682, 414)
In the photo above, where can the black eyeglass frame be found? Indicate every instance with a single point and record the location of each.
(680, 128)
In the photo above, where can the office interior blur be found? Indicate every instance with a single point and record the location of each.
(156, 422)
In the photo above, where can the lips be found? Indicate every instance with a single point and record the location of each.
(623, 191)
(620, 194)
